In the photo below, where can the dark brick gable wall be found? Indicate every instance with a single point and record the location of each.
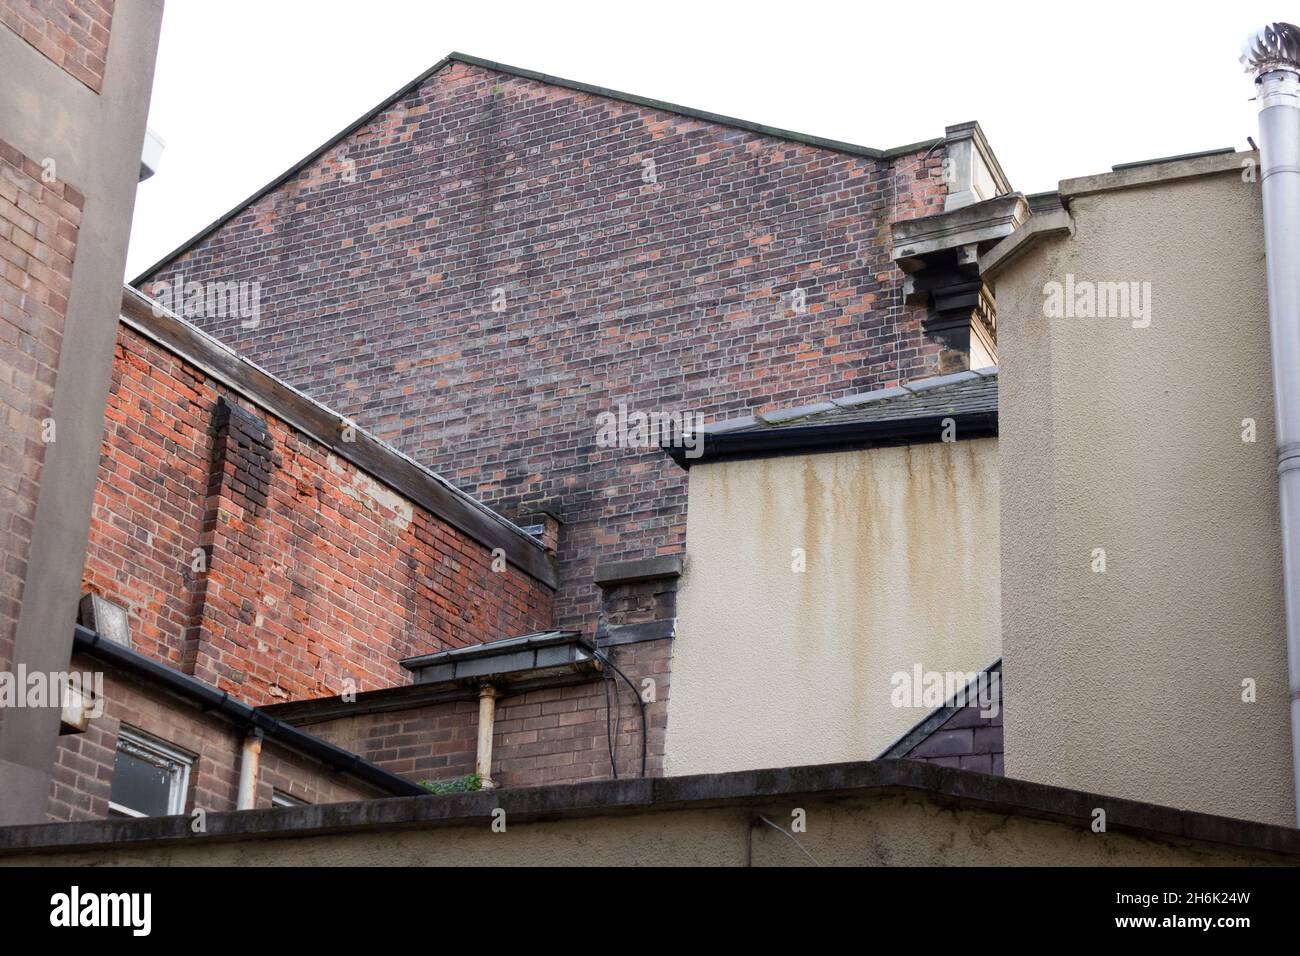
(641, 257)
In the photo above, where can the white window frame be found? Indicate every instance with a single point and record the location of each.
(170, 758)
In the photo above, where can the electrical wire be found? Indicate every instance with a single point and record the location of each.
(609, 727)
(791, 838)
(645, 736)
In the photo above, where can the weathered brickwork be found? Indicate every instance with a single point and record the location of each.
(637, 602)
(73, 34)
(39, 223)
(501, 259)
(553, 735)
(254, 558)
(83, 771)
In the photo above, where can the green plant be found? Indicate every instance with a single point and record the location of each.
(465, 784)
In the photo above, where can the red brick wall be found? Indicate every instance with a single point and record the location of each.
(553, 735)
(71, 33)
(39, 222)
(83, 769)
(379, 262)
(314, 571)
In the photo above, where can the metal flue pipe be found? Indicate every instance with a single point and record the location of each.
(1273, 55)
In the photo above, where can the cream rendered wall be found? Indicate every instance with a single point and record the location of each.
(1130, 682)
(774, 668)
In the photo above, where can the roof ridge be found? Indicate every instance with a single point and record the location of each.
(576, 85)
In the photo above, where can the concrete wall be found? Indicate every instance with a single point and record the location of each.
(776, 668)
(1130, 440)
(884, 830)
(82, 120)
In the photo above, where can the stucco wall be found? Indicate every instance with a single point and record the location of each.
(776, 668)
(1128, 439)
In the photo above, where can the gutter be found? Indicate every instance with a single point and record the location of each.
(764, 442)
(208, 699)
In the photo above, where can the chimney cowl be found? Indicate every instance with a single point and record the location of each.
(1276, 46)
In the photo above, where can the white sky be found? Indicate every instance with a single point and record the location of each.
(245, 88)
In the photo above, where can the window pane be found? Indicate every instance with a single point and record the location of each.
(141, 785)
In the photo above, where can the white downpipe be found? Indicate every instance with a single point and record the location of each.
(1274, 57)
(487, 709)
(248, 771)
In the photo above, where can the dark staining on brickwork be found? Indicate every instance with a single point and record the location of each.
(312, 571)
(678, 294)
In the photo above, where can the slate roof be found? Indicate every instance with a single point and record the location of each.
(902, 413)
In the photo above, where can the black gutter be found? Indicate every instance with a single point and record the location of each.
(766, 442)
(773, 132)
(209, 699)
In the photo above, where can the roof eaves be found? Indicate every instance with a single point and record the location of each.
(323, 424)
(797, 429)
(211, 700)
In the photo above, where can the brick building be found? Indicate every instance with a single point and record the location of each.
(539, 251)
(286, 600)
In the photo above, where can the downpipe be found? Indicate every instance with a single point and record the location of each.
(1273, 55)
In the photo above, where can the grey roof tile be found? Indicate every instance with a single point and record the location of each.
(863, 398)
(790, 414)
(961, 394)
(729, 425)
(939, 381)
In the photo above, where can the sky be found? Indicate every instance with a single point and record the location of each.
(243, 89)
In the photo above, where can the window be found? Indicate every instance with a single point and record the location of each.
(279, 799)
(150, 778)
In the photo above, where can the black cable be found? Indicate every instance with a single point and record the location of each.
(645, 735)
(609, 733)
